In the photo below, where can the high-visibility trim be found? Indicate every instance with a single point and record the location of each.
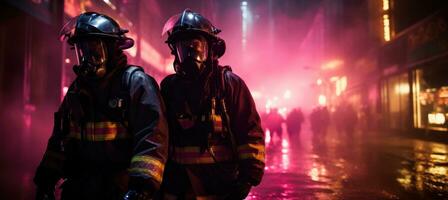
(147, 165)
(193, 155)
(99, 131)
(252, 151)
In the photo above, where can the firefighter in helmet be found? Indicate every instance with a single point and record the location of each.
(217, 146)
(110, 134)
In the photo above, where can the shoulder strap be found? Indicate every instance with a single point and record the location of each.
(127, 76)
(223, 81)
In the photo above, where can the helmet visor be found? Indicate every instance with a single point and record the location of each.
(194, 48)
(91, 51)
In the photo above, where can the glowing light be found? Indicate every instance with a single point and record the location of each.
(267, 138)
(133, 50)
(169, 65)
(319, 82)
(287, 94)
(246, 19)
(386, 6)
(341, 85)
(268, 105)
(438, 170)
(322, 100)
(67, 60)
(285, 160)
(386, 23)
(152, 56)
(436, 118)
(283, 111)
(64, 90)
(285, 143)
(332, 64)
(256, 94)
(334, 78)
(402, 88)
(110, 4)
(314, 174)
(285, 154)
(190, 15)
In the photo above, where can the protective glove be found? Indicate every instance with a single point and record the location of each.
(43, 193)
(134, 195)
(240, 191)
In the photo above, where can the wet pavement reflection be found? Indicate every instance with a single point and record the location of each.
(367, 166)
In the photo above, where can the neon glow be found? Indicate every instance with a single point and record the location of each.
(386, 6)
(64, 90)
(322, 100)
(287, 94)
(436, 118)
(267, 138)
(152, 56)
(246, 19)
(332, 64)
(341, 85)
(402, 88)
(386, 23)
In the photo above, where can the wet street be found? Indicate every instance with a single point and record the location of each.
(369, 166)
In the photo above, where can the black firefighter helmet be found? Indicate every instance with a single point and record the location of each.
(92, 24)
(95, 37)
(191, 23)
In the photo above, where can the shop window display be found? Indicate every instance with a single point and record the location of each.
(430, 89)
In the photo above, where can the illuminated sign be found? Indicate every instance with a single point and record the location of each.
(436, 118)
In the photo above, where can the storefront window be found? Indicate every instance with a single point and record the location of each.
(395, 102)
(430, 91)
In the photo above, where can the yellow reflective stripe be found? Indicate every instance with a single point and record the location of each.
(105, 124)
(148, 160)
(99, 131)
(155, 175)
(252, 151)
(98, 137)
(147, 165)
(251, 147)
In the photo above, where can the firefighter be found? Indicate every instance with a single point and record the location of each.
(217, 146)
(110, 134)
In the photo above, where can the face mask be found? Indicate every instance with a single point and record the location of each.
(192, 54)
(91, 55)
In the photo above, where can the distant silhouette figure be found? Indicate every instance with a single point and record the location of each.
(294, 122)
(274, 123)
(319, 118)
